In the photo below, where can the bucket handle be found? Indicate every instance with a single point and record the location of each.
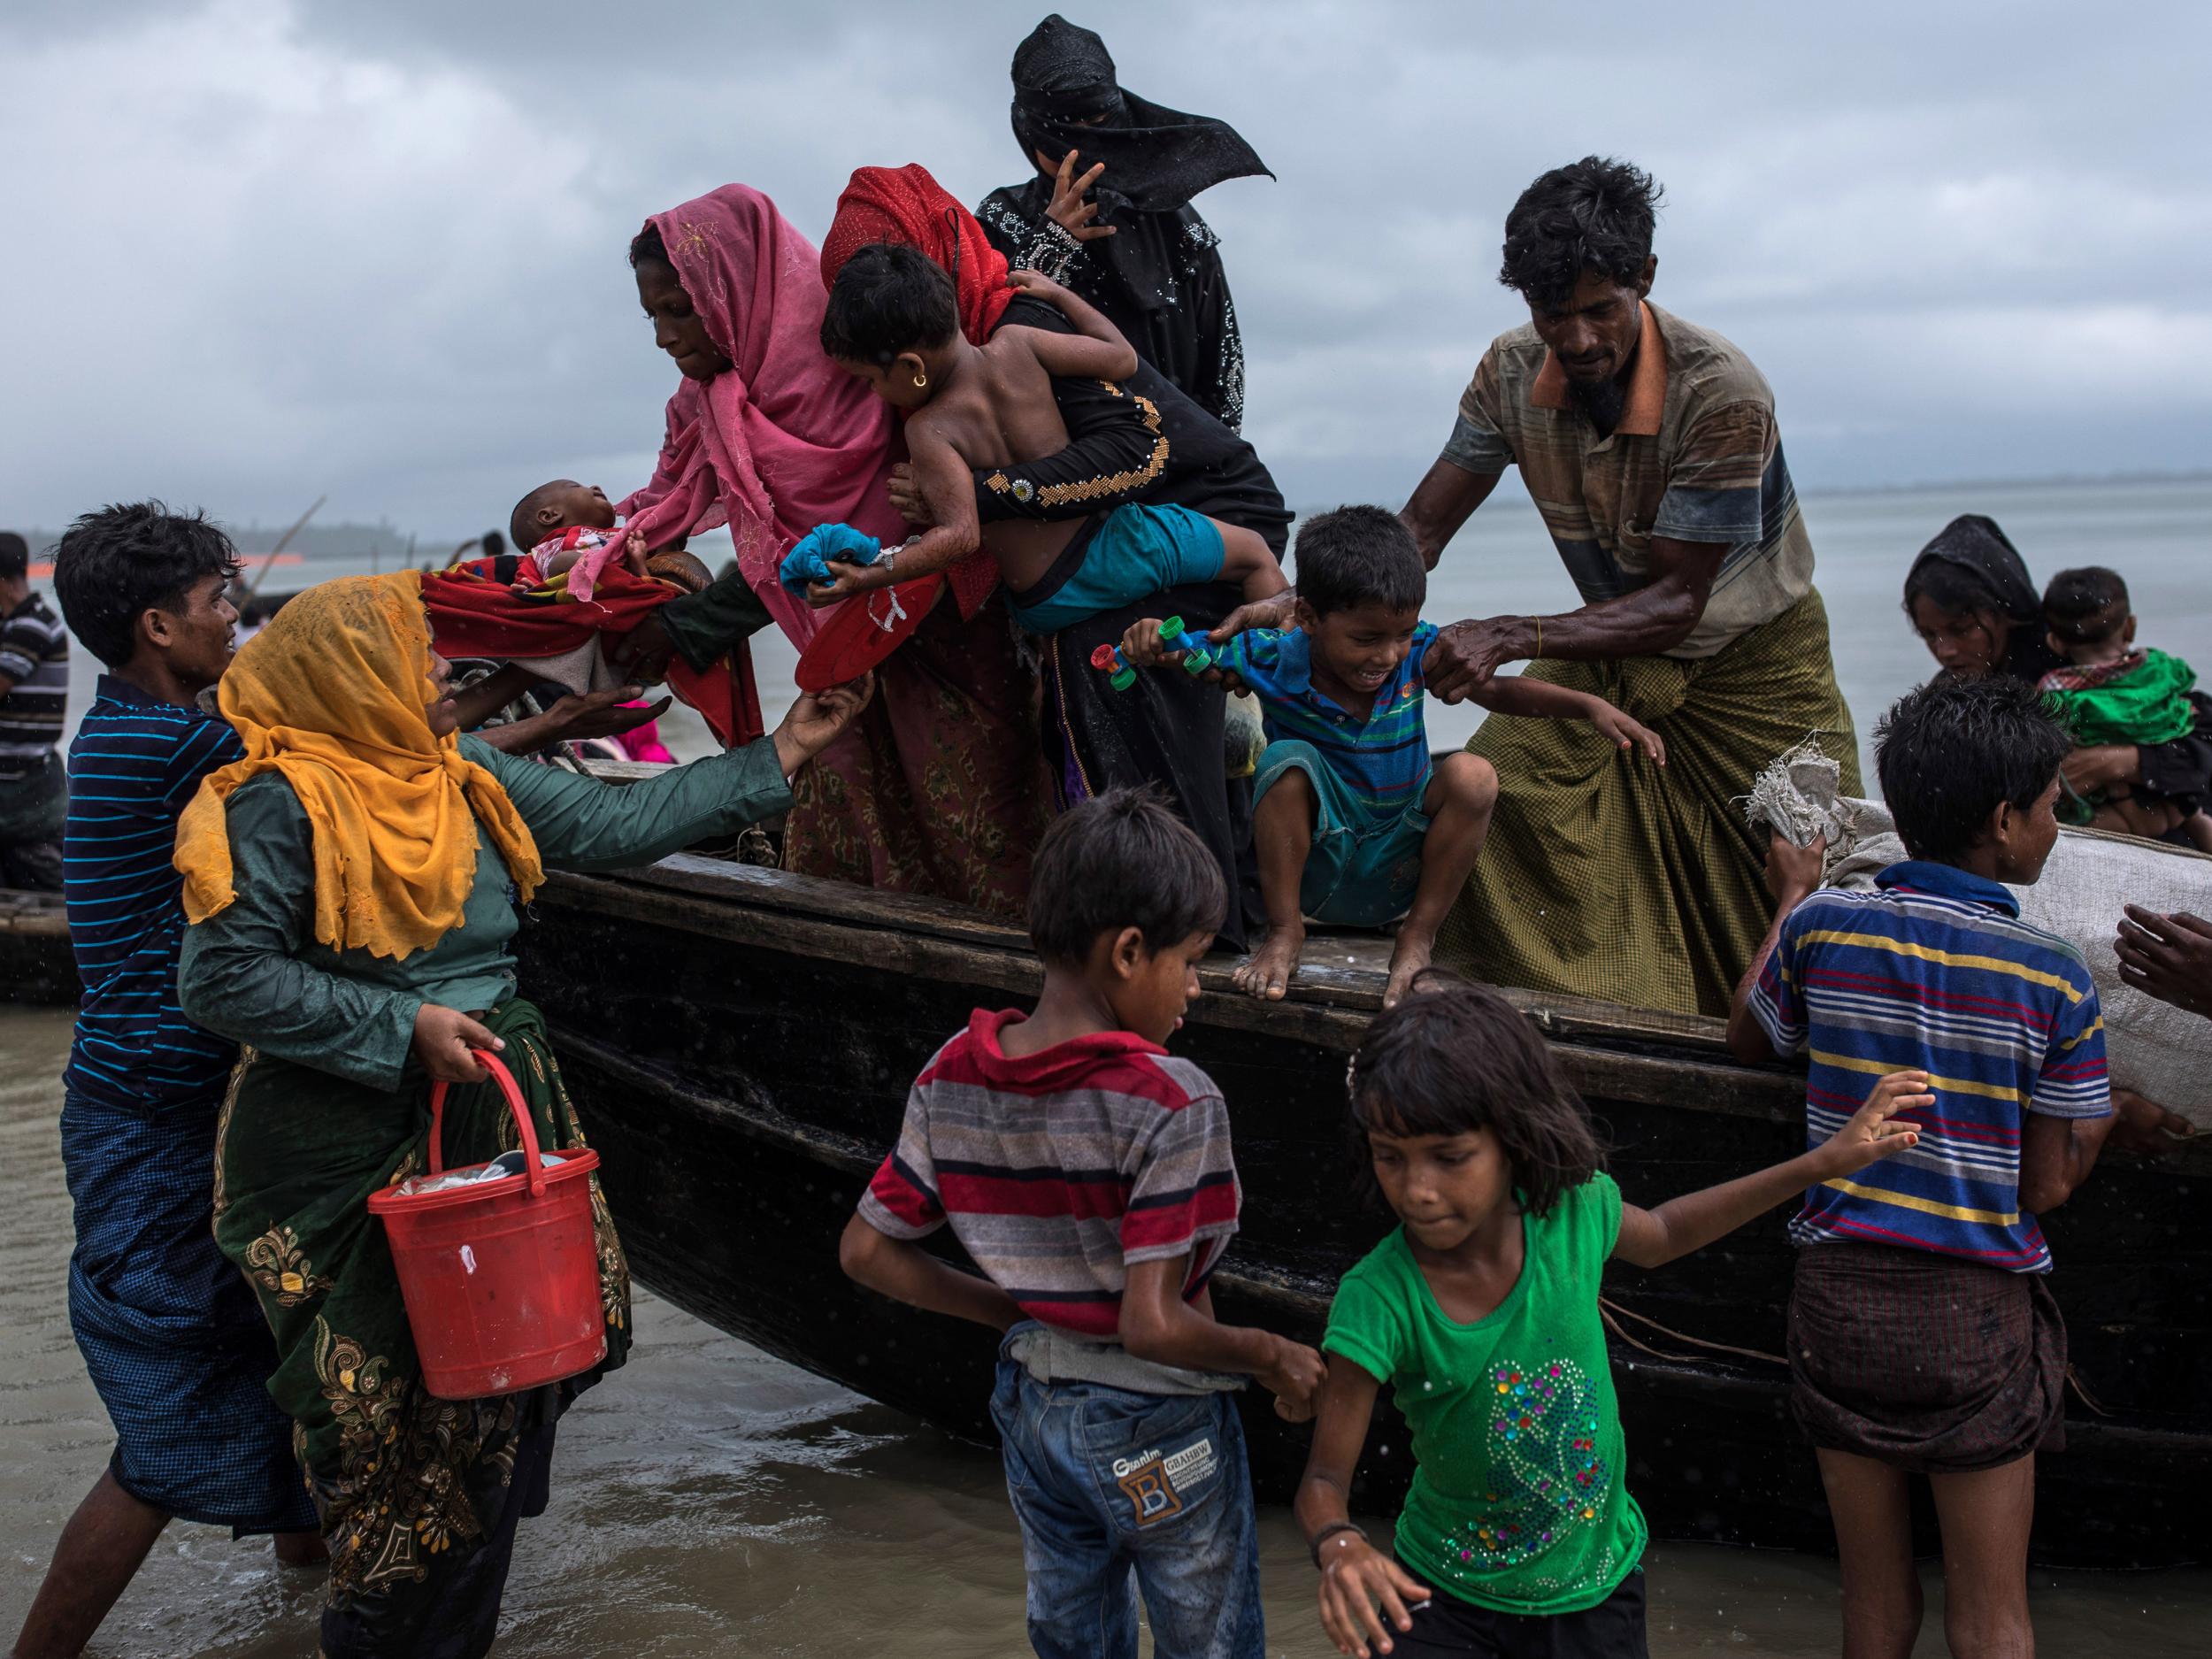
(505, 1079)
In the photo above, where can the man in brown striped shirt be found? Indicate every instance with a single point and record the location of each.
(1650, 446)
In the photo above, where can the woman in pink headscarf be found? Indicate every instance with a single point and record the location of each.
(940, 787)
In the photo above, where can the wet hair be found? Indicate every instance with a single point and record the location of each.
(889, 298)
(15, 554)
(646, 244)
(113, 565)
(1453, 1058)
(1122, 859)
(1359, 556)
(2085, 605)
(523, 534)
(1951, 753)
(1595, 215)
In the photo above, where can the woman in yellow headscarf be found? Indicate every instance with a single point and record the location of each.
(351, 887)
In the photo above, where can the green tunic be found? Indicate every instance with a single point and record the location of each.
(254, 971)
(327, 1106)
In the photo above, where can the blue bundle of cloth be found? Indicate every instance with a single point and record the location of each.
(809, 560)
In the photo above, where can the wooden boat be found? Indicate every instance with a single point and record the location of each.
(35, 961)
(740, 1042)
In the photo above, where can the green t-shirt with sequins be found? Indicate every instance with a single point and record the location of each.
(1518, 1501)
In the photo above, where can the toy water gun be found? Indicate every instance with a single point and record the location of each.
(1109, 660)
(1197, 658)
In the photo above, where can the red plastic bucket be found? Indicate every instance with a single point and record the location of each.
(501, 1277)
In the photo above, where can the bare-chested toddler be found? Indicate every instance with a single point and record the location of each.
(894, 323)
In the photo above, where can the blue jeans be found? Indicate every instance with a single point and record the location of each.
(1117, 1492)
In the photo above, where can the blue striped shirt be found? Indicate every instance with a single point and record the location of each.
(1934, 972)
(1382, 753)
(132, 769)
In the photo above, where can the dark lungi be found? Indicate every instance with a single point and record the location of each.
(1924, 1362)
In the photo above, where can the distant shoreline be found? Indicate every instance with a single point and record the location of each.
(391, 542)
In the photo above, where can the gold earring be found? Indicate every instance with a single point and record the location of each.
(921, 379)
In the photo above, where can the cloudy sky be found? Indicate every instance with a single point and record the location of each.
(264, 250)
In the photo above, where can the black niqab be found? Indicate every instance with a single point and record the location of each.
(1156, 158)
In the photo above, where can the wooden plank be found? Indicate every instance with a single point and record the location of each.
(1326, 975)
(34, 915)
(1649, 1078)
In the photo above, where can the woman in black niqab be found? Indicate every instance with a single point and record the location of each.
(1143, 256)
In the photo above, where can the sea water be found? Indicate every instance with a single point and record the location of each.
(711, 1500)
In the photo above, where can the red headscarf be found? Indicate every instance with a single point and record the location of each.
(782, 439)
(904, 204)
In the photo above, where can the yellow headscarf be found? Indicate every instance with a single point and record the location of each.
(332, 694)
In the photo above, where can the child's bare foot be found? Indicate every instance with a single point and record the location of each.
(1414, 949)
(1267, 972)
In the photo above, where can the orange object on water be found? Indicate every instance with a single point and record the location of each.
(501, 1277)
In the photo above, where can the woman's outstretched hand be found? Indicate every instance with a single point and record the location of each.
(1870, 1136)
(446, 1042)
(816, 719)
(1365, 1596)
(1067, 209)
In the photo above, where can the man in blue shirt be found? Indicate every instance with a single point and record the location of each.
(173, 1338)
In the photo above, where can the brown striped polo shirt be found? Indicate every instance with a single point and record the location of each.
(1696, 457)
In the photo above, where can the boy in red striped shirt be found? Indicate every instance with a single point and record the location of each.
(1087, 1173)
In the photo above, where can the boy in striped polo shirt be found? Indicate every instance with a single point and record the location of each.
(1353, 823)
(1922, 1337)
(172, 1336)
(1088, 1174)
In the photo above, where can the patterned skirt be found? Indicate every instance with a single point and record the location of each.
(417, 1496)
(1609, 877)
(1926, 1363)
(940, 787)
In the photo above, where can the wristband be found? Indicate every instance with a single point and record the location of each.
(1330, 1532)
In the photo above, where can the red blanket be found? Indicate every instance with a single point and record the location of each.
(471, 615)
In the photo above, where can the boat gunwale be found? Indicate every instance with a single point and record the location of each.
(1643, 1056)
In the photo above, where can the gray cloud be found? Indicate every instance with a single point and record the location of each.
(265, 250)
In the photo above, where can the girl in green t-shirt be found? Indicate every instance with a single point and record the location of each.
(1480, 1311)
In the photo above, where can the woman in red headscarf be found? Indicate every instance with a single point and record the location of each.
(941, 788)
(1140, 438)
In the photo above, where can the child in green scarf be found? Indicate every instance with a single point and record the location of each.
(2110, 692)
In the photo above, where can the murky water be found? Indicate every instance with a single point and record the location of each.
(709, 1500)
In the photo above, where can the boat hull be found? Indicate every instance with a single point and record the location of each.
(738, 1117)
(37, 963)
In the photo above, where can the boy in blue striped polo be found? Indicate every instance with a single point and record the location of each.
(1353, 824)
(1922, 1337)
(172, 1336)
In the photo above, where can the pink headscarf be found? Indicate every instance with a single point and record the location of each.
(782, 439)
